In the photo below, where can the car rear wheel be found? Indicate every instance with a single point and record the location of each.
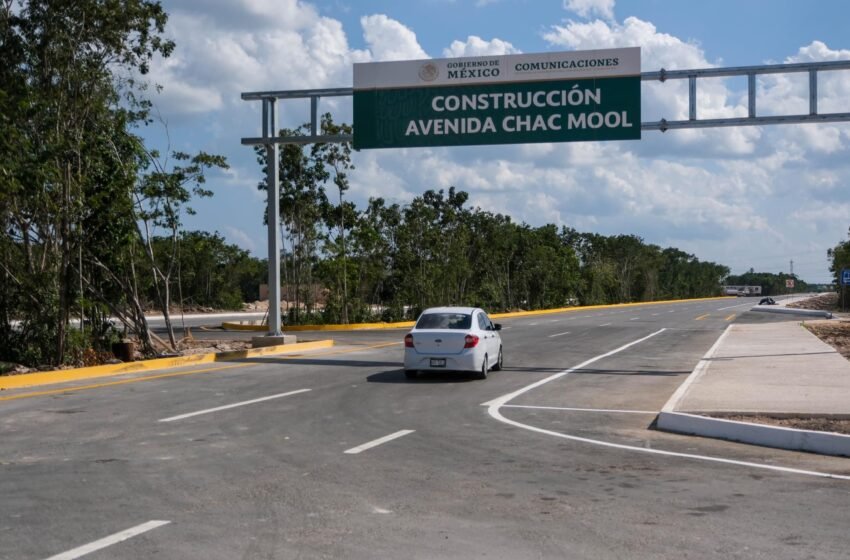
(483, 373)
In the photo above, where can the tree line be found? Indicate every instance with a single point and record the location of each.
(839, 260)
(389, 261)
(771, 283)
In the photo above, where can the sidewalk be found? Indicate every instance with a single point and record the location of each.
(775, 369)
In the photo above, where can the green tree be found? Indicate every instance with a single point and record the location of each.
(337, 157)
(839, 259)
(65, 129)
(160, 199)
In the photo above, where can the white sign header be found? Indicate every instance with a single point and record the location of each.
(497, 69)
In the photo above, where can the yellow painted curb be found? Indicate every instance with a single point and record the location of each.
(351, 327)
(241, 327)
(298, 328)
(592, 307)
(407, 324)
(65, 375)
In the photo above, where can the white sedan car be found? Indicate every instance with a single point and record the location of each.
(453, 339)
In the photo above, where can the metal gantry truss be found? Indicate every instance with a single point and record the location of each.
(271, 140)
(811, 68)
(752, 119)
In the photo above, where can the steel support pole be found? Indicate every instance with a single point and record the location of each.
(692, 98)
(813, 92)
(314, 116)
(273, 216)
(751, 95)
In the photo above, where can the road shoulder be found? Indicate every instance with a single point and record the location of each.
(768, 370)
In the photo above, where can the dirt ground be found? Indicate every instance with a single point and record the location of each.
(815, 424)
(822, 302)
(188, 347)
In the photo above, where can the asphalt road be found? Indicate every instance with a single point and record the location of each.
(566, 468)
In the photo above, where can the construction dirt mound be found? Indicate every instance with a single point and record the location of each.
(821, 302)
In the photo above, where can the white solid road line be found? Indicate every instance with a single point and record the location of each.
(604, 324)
(109, 541)
(234, 405)
(377, 442)
(634, 318)
(582, 409)
(500, 402)
(558, 334)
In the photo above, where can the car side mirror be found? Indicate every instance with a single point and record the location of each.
(498, 326)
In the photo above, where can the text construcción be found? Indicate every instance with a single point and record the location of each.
(548, 97)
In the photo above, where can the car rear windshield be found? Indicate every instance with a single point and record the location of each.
(444, 321)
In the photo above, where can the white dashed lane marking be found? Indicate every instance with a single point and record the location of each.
(115, 538)
(558, 334)
(234, 405)
(377, 442)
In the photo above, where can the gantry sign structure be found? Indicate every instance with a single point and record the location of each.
(510, 99)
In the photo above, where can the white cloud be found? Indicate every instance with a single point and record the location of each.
(239, 237)
(389, 39)
(247, 45)
(476, 46)
(589, 8)
(658, 50)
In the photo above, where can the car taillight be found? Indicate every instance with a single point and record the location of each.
(408, 341)
(470, 341)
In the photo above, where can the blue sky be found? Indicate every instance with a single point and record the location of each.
(745, 197)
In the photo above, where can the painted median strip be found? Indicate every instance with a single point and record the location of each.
(100, 544)
(234, 405)
(377, 442)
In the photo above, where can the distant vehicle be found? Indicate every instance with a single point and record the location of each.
(453, 339)
(742, 290)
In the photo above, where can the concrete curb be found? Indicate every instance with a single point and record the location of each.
(793, 311)
(825, 443)
(408, 324)
(672, 420)
(65, 375)
(301, 328)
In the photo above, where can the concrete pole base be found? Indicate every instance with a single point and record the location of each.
(272, 340)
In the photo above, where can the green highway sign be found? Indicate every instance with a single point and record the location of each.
(552, 97)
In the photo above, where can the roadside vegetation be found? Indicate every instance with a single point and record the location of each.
(839, 258)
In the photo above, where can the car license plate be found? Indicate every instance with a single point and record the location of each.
(438, 362)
